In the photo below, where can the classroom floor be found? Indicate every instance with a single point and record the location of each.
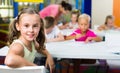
(91, 70)
(85, 69)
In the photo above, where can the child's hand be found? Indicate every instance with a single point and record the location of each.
(78, 36)
(50, 63)
(88, 39)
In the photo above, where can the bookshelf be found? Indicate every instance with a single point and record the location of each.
(6, 8)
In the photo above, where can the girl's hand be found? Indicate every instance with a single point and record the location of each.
(88, 39)
(50, 63)
(78, 36)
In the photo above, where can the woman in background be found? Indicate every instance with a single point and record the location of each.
(55, 10)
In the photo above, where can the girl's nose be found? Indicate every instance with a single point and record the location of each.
(31, 29)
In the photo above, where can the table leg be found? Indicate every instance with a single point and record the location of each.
(76, 66)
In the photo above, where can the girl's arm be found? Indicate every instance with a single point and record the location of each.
(15, 58)
(96, 39)
(59, 37)
(102, 27)
(49, 60)
(70, 37)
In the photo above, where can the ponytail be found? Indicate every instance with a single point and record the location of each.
(13, 32)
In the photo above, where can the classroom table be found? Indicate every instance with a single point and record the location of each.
(81, 50)
(73, 49)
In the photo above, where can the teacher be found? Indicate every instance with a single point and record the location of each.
(55, 10)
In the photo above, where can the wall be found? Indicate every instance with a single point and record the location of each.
(100, 9)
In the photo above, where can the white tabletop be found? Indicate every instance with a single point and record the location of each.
(72, 49)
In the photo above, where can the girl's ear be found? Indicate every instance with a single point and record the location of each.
(89, 24)
(17, 27)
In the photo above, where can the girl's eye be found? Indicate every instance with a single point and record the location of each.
(26, 25)
(36, 25)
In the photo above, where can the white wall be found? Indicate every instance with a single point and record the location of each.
(100, 9)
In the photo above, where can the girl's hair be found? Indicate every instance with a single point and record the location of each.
(85, 16)
(108, 17)
(49, 22)
(77, 12)
(14, 33)
(66, 5)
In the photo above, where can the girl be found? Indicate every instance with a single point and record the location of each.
(73, 24)
(109, 23)
(26, 37)
(53, 33)
(83, 33)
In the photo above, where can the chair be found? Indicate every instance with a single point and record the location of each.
(113, 65)
(26, 69)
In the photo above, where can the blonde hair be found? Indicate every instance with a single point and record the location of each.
(85, 16)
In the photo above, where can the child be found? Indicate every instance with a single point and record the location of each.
(74, 19)
(53, 33)
(109, 23)
(26, 37)
(83, 33)
(73, 24)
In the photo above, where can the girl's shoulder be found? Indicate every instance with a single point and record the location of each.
(16, 48)
(90, 31)
(77, 30)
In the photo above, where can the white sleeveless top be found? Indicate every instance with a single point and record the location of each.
(28, 55)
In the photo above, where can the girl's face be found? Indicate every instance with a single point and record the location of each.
(83, 24)
(110, 22)
(74, 17)
(29, 26)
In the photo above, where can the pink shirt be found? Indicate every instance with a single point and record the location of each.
(51, 10)
(89, 33)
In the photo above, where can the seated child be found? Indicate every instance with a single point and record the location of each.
(83, 33)
(53, 33)
(109, 23)
(26, 38)
(73, 24)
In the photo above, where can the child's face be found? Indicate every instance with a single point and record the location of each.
(83, 24)
(74, 17)
(29, 26)
(110, 22)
